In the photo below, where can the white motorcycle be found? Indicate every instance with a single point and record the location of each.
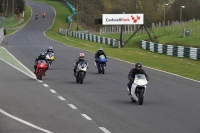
(50, 58)
(138, 88)
(81, 72)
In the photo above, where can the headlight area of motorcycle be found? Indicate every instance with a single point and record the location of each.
(52, 58)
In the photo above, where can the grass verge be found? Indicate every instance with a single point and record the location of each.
(181, 66)
(170, 36)
(12, 23)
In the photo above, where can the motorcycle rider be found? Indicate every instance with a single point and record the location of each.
(80, 59)
(40, 57)
(50, 49)
(43, 14)
(36, 16)
(131, 76)
(99, 53)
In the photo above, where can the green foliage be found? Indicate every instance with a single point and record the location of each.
(12, 23)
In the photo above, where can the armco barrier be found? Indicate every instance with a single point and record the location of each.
(179, 51)
(95, 38)
(73, 10)
(64, 32)
(1, 33)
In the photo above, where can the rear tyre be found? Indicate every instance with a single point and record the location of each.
(81, 77)
(140, 98)
(40, 74)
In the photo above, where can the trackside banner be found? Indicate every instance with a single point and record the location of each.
(123, 19)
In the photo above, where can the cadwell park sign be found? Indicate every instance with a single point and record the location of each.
(122, 19)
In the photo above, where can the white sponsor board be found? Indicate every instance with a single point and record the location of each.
(123, 19)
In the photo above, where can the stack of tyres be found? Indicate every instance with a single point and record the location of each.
(160, 48)
(186, 52)
(156, 47)
(164, 49)
(148, 46)
(175, 51)
(198, 54)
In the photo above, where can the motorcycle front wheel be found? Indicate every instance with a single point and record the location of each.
(102, 69)
(40, 74)
(140, 98)
(81, 76)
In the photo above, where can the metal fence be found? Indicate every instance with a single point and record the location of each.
(129, 29)
(2, 22)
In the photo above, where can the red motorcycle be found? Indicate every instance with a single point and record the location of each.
(43, 15)
(41, 69)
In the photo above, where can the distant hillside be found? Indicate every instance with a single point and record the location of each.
(153, 9)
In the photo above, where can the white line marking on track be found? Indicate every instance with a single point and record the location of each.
(40, 81)
(86, 117)
(72, 106)
(104, 129)
(24, 122)
(2, 39)
(45, 85)
(61, 98)
(53, 91)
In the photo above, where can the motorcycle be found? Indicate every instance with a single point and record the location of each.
(81, 72)
(41, 68)
(138, 88)
(43, 15)
(50, 58)
(36, 17)
(101, 64)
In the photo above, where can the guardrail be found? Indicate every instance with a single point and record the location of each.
(73, 10)
(95, 38)
(64, 32)
(178, 51)
(1, 33)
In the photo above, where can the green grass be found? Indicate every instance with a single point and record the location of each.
(181, 66)
(12, 23)
(7, 57)
(170, 36)
(9, 31)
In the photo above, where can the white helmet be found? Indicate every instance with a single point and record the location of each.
(100, 49)
(51, 48)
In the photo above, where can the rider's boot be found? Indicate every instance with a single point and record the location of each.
(129, 93)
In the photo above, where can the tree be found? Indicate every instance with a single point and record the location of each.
(20, 4)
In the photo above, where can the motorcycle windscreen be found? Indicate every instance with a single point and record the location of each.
(140, 79)
(42, 62)
(102, 58)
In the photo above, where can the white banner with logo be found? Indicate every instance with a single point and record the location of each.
(122, 19)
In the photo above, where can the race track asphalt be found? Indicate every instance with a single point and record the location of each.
(171, 104)
(29, 100)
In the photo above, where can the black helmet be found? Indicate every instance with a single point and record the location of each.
(42, 55)
(138, 66)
